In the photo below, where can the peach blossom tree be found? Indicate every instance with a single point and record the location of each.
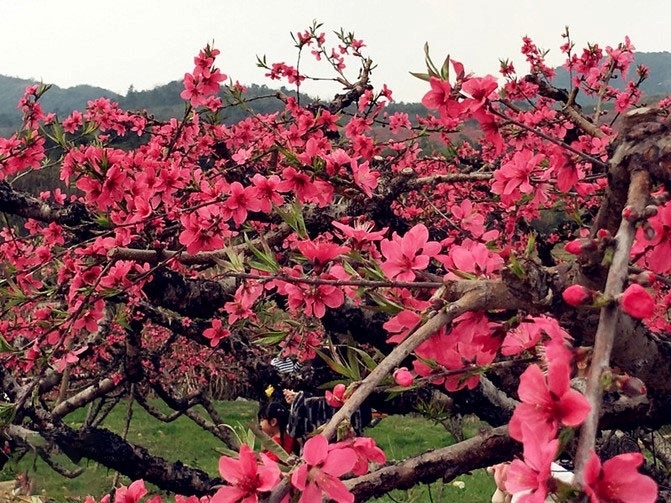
(505, 254)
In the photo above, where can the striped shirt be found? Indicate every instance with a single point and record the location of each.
(285, 365)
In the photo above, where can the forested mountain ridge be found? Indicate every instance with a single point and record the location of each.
(59, 100)
(658, 84)
(164, 101)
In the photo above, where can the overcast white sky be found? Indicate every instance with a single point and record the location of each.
(116, 43)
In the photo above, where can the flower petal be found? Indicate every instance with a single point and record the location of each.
(268, 477)
(314, 451)
(533, 388)
(311, 494)
(230, 470)
(228, 494)
(248, 465)
(335, 489)
(299, 477)
(573, 408)
(339, 461)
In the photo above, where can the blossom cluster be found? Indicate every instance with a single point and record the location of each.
(308, 210)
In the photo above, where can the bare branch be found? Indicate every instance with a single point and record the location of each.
(486, 448)
(639, 192)
(94, 391)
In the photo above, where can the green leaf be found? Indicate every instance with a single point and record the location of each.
(261, 62)
(400, 389)
(42, 89)
(354, 364)
(235, 262)
(515, 267)
(385, 304)
(271, 339)
(261, 266)
(4, 345)
(421, 76)
(266, 258)
(268, 444)
(103, 221)
(334, 365)
(57, 135)
(431, 68)
(225, 451)
(331, 384)
(122, 320)
(293, 216)
(7, 411)
(445, 69)
(531, 245)
(367, 360)
(375, 273)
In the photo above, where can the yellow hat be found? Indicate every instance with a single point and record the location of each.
(270, 390)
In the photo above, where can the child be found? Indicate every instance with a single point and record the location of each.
(273, 420)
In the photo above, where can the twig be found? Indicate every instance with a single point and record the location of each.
(126, 428)
(471, 301)
(537, 132)
(639, 190)
(85, 396)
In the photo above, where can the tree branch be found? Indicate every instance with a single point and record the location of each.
(639, 192)
(485, 449)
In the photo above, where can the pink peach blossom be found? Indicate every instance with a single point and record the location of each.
(618, 480)
(321, 470)
(246, 477)
(637, 302)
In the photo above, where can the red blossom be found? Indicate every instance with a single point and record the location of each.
(246, 478)
(315, 299)
(547, 401)
(320, 253)
(320, 472)
(241, 200)
(409, 253)
(216, 332)
(531, 476)
(618, 480)
(575, 247)
(131, 494)
(366, 451)
(637, 302)
(441, 97)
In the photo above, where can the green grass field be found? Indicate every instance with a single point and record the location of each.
(398, 436)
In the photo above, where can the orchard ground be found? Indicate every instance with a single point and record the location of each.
(399, 436)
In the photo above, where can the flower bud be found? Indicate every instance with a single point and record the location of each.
(403, 377)
(630, 214)
(574, 247)
(630, 386)
(603, 234)
(644, 278)
(651, 210)
(336, 398)
(577, 295)
(577, 246)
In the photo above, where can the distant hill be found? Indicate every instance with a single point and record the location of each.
(58, 100)
(658, 83)
(164, 101)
